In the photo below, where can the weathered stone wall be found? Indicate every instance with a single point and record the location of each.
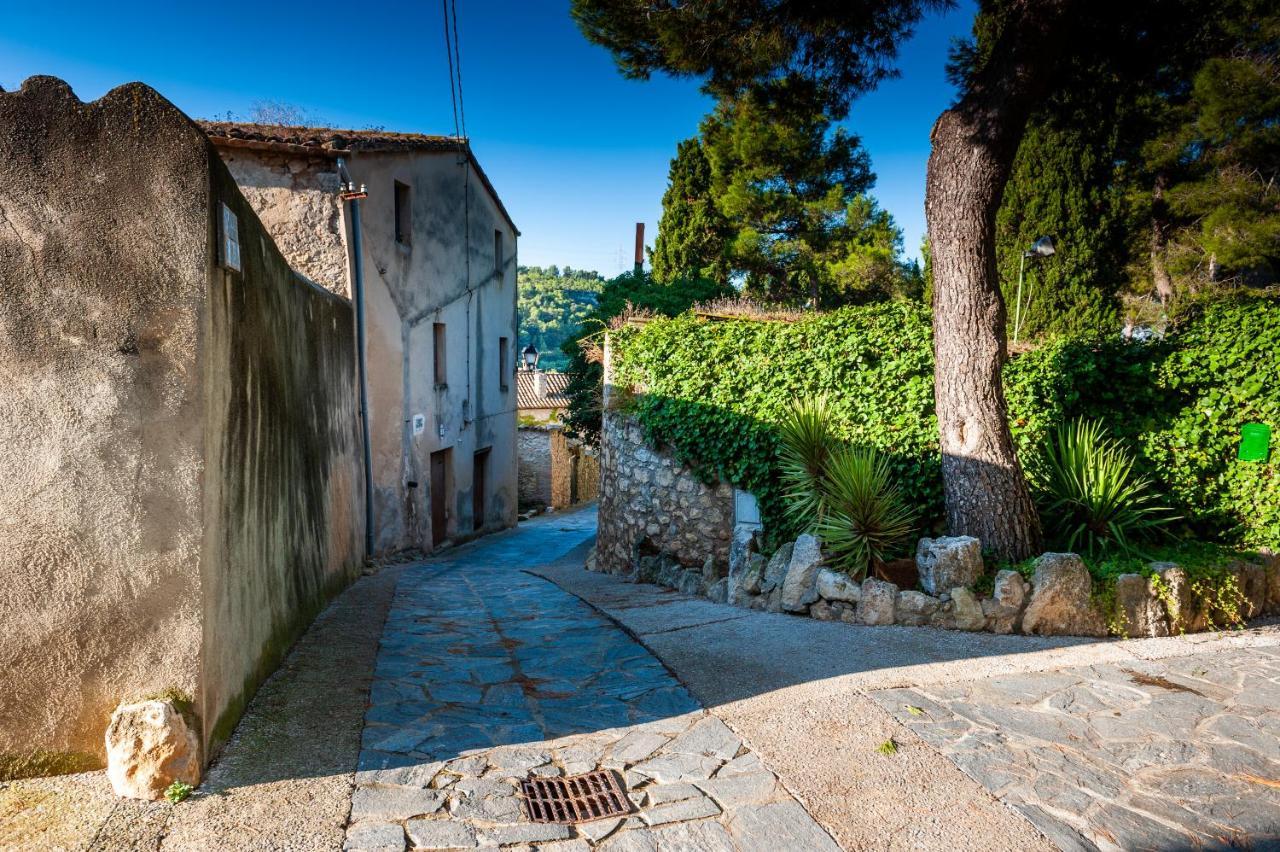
(534, 446)
(575, 472)
(651, 503)
(177, 443)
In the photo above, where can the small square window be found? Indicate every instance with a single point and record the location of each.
(438, 345)
(497, 252)
(404, 214)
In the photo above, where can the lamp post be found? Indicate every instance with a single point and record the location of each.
(1042, 247)
(530, 357)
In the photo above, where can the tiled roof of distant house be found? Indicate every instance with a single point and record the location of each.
(333, 142)
(527, 395)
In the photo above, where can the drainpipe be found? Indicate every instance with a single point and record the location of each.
(349, 193)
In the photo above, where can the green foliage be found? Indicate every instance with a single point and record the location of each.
(552, 307)
(628, 290)
(693, 235)
(1065, 183)
(718, 392)
(864, 520)
(791, 188)
(1091, 499)
(178, 791)
(887, 748)
(805, 445)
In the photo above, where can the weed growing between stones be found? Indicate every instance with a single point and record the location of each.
(178, 791)
(888, 747)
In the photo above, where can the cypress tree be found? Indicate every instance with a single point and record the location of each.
(692, 235)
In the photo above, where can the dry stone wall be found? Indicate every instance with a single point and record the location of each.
(650, 504)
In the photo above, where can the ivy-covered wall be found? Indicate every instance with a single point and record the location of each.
(713, 390)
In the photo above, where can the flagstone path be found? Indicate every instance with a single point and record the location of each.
(487, 675)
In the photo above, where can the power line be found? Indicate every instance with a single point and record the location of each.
(457, 51)
(448, 47)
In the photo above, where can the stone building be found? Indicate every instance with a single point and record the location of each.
(439, 274)
(555, 470)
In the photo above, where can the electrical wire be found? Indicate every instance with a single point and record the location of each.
(448, 47)
(457, 52)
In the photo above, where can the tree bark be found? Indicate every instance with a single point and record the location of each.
(974, 144)
(1160, 240)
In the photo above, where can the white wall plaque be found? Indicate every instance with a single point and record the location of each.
(419, 424)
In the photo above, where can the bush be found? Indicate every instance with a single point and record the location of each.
(804, 453)
(716, 391)
(863, 520)
(1092, 502)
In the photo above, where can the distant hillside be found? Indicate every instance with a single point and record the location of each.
(553, 303)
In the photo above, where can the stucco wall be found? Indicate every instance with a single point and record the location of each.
(284, 507)
(444, 274)
(651, 503)
(176, 444)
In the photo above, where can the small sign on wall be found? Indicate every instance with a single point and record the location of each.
(1255, 442)
(419, 424)
(229, 233)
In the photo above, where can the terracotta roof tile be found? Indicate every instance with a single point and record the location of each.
(554, 397)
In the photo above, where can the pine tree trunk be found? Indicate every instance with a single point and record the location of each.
(1160, 240)
(974, 144)
(986, 492)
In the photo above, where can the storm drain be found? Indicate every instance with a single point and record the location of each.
(577, 798)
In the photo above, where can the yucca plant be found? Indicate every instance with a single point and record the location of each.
(864, 518)
(1091, 499)
(805, 446)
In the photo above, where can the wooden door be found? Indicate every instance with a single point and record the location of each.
(439, 497)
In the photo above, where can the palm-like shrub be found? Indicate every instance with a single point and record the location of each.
(805, 447)
(1091, 500)
(864, 518)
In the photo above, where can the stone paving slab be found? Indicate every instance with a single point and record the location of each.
(487, 675)
(1183, 753)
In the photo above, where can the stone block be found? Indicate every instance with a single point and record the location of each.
(947, 562)
(719, 590)
(915, 608)
(878, 602)
(800, 587)
(1060, 599)
(149, 746)
(1138, 609)
(834, 586)
(967, 610)
(822, 611)
(776, 569)
(1252, 579)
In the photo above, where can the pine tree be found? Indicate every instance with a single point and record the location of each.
(692, 235)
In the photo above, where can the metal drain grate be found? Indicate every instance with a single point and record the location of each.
(577, 798)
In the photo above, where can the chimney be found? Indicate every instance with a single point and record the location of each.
(540, 384)
(639, 247)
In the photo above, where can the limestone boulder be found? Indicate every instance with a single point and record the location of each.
(878, 603)
(1004, 608)
(1252, 579)
(149, 746)
(967, 610)
(1271, 565)
(1060, 599)
(834, 586)
(1181, 613)
(1139, 610)
(823, 611)
(776, 570)
(742, 547)
(916, 608)
(719, 590)
(800, 586)
(947, 562)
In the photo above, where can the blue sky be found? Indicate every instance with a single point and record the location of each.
(578, 154)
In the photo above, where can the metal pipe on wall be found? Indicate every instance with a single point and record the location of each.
(350, 195)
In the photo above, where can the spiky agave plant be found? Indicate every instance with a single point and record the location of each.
(1091, 499)
(865, 518)
(805, 446)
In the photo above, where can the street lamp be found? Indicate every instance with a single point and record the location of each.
(1042, 247)
(530, 357)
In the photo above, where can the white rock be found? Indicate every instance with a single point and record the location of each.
(149, 746)
(947, 562)
(878, 603)
(834, 586)
(1060, 599)
(800, 588)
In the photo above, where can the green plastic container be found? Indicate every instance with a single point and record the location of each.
(1255, 442)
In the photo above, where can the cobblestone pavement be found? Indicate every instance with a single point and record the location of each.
(1181, 753)
(487, 675)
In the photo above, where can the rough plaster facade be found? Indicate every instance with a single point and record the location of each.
(179, 444)
(444, 273)
(534, 443)
(650, 503)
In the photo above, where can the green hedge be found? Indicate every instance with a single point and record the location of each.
(713, 391)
